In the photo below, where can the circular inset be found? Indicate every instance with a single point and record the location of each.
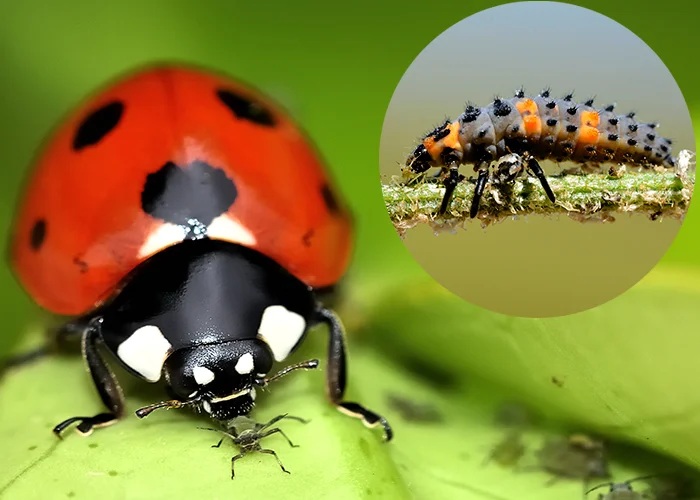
(513, 175)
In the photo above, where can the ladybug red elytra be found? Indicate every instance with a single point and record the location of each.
(183, 221)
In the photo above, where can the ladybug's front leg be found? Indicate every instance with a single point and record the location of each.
(104, 380)
(336, 375)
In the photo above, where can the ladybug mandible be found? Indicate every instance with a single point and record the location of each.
(183, 221)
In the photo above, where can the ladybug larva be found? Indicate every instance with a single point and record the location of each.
(540, 127)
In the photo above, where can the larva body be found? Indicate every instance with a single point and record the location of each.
(538, 127)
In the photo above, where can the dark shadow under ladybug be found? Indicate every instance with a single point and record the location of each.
(247, 434)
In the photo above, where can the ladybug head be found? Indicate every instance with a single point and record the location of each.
(220, 378)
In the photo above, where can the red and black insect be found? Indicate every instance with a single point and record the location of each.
(183, 220)
(540, 127)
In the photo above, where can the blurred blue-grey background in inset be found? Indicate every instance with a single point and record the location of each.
(538, 266)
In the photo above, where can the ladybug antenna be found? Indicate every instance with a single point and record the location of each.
(197, 400)
(304, 365)
(173, 403)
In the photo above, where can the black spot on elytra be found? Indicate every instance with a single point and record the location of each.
(632, 142)
(330, 200)
(306, 238)
(501, 108)
(245, 108)
(97, 125)
(197, 192)
(571, 128)
(612, 137)
(551, 105)
(551, 122)
(37, 234)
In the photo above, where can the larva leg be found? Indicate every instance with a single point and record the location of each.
(534, 166)
(479, 189)
(453, 178)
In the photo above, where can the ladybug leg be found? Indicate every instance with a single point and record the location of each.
(479, 189)
(533, 165)
(453, 178)
(336, 375)
(105, 382)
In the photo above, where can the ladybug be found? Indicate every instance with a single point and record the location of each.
(184, 222)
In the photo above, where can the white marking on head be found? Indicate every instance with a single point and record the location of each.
(252, 393)
(166, 235)
(202, 375)
(281, 329)
(245, 364)
(206, 406)
(226, 228)
(145, 351)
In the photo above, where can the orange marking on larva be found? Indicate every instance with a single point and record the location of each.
(533, 125)
(526, 107)
(590, 119)
(433, 148)
(452, 140)
(588, 135)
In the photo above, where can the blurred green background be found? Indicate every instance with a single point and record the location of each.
(335, 68)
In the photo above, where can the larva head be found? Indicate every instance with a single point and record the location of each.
(438, 148)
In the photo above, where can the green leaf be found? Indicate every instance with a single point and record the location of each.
(166, 456)
(627, 369)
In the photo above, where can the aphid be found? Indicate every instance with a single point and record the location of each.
(508, 451)
(621, 491)
(576, 457)
(413, 411)
(540, 127)
(246, 433)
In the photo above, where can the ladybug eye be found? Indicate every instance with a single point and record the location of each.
(97, 125)
(246, 109)
(38, 234)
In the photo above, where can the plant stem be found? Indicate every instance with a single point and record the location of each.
(658, 194)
